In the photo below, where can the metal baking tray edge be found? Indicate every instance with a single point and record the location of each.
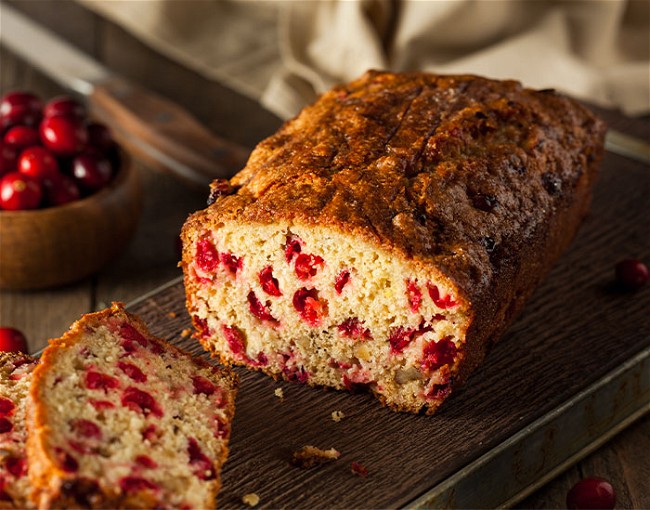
(542, 450)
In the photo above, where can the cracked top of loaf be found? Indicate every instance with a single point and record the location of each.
(456, 171)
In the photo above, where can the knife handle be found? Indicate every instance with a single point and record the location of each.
(163, 134)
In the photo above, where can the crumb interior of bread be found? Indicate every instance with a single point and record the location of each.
(128, 434)
(379, 327)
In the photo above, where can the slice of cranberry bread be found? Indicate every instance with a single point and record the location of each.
(387, 235)
(120, 419)
(15, 376)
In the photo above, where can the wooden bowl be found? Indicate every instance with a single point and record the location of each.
(44, 248)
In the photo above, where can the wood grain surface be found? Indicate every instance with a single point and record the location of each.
(576, 327)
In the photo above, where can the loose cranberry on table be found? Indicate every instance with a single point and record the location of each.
(19, 191)
(12, 340)
(63, 135)
(21, 137)
(591, 493)
(632, 274)
(66, 106)
(19, 107)
(38, 162)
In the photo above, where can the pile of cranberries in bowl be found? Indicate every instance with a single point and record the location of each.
(51, 153)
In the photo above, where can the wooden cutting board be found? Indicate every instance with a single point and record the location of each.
(570, 372)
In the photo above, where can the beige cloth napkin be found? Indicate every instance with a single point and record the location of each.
(283, 53)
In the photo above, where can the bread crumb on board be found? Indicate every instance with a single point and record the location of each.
(337, 415)
(309, 456)
(279, 393)
(186, 332)
(171, 315)
(251, 499)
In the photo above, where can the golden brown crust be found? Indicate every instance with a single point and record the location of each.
(483, 179)
(52, 487)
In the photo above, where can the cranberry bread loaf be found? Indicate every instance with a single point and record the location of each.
(15, 376)
(120, 419)
(386, 236)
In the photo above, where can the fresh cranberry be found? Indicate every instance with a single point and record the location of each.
(98, 381)
(593, 492)
(309, 306)
(207, 256)
(8, 158)
(414, 295)
(99, 137)
(5, 425)
(437, 354)
(440, 302)
(92, 173)
(141, 401)
(20, 107)
(632, 274)
(231, 262)
(203, 385)
(21, 137)
(306, 265)
(235, 338)
(12, 340)
(269, 284)
(38, 162)
(65, 106)
(86, 428)
(259, 309)
(60, 189)
(65, 136)
(19, 192)
(341, 281)
(7, 406)
(132, 371)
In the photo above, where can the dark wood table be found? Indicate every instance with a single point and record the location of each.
(151, 259)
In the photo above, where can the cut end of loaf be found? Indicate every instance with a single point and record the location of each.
(15, 378)
(125, 420)
(313, 305)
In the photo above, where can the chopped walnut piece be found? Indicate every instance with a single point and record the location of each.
(337, 415)
(310, 456)
(251, 499)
